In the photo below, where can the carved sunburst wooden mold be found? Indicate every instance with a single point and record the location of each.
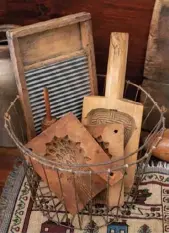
(104, 145)
(65, 151)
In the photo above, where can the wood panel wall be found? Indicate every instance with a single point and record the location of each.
(131, 16)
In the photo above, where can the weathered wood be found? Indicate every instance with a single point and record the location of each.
(53, 60)
(156, 65)
(51, 24)
(111, 139)
(160, 93)
(21, 84)
(157, 56)
(48, 119)
(37, 46)
(118, 48)
(65, 133)
(116, 67)
(161, 149)
(87, 43)
(49, 44)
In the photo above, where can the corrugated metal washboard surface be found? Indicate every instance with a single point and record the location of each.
(67, 81)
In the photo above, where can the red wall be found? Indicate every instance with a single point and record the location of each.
(131, 16)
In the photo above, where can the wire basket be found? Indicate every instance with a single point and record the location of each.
(55, 209)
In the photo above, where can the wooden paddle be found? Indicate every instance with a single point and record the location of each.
(113, 99)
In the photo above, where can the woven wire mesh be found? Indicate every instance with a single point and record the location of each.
(55, 209)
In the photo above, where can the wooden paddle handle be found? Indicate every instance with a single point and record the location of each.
(116, 68)
(161, 151)
(47, 104)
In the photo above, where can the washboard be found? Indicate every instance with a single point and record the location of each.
(57, 54)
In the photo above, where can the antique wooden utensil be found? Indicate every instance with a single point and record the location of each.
(68, 143)
(59, 54)
(160, 151)
(114, 103)
(111, 139)
(48, 120)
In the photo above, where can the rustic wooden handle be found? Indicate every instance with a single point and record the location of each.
(160, 151)
(116, 68)
(47, 104)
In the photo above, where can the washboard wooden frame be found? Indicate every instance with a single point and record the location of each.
(42, 44)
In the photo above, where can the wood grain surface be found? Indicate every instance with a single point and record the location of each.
(157, 56)
(161, 149)
(39, 43)
(113, 99)
(160, 93)
(111, 139)
(156, 68)
(132, 16)
(79, 147)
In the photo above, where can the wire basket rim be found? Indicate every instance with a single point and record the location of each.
(69, 168)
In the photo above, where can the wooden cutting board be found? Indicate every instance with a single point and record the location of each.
(114, 99)
(111, 139)
(68, 142)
